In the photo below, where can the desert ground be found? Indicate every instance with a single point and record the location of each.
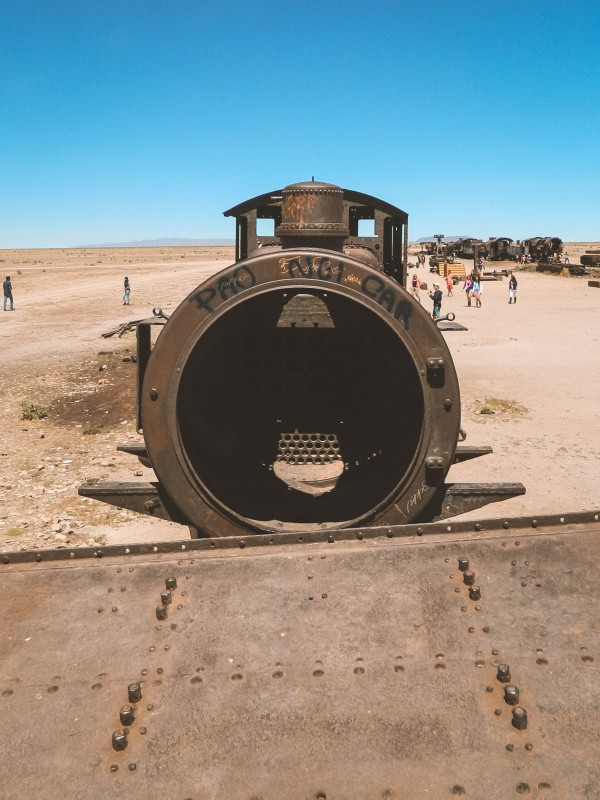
(532, 368)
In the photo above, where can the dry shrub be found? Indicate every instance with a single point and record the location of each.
(496, 405)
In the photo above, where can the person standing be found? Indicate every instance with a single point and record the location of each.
(477, 291)
(512, 289)
(7, 286)
(468, 288)
(436, 296)
(449, 284)
(127, 289)
(415, 285)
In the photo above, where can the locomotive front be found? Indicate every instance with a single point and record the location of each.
(301, 388)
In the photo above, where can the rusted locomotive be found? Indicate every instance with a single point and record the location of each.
(332, 633)
(503, 248)
(543, 248)
(302, 388)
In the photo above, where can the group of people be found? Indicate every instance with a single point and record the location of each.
(8, 295)
(471, 287)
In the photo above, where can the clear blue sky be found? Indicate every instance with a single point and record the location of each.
(134, 119)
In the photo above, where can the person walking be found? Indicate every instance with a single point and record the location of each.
(415, 285)
(127, 289)
(7, 286)
(449, 284)
(512, 289)
(468, 288)
(477, 291)
(436, 296)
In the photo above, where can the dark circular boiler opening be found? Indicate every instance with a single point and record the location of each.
(300, 408)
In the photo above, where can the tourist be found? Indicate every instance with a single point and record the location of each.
(512, 289)
(476, 290)
(468, 288)
(436, 296)
(127, 289)
(415, 285)
(7, 286)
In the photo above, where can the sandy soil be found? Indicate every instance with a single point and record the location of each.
(537, 361)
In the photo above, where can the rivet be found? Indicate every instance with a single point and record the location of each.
(359, 535)
(534, 523)
(5, 560)
(38, 557)
(143, 731)
(161, 612)
(390, 534)
(330, 539)
(447, 404)
(119, 740)
(127, 715)
(485, 629)
(153, 394)
(498, 712)
(134, 692)
(477, 526)
(528, 746)
(419, 531)
(242, 544)
(171, 583)
(519, 718)
(132, 767)
(510, 747)
(113, 767)
(506, 524)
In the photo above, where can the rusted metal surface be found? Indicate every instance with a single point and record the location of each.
(386, 243)
(351, 669)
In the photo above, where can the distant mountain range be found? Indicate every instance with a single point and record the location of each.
(166, 242)
(445, 239)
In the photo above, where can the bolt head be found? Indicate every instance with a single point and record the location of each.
(119, 740)
(134, 692)
(469, 577)
(474, 593)
(166, 598)
(171, 583)
(161, 612)
(519, 718)
(511, 695)
(463, 564)
(503, 673)
(127, 715)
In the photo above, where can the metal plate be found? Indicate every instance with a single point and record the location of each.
(350, 669)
